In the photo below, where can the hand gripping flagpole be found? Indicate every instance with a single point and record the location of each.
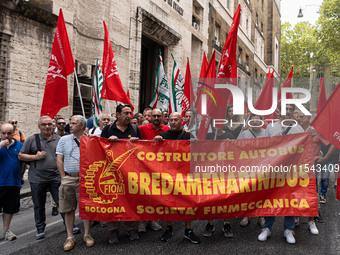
(81, 99)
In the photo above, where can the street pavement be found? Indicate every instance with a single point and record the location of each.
(244, 240)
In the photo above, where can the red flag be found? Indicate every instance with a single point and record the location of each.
(322, 96)
(227, 71)
(112, 85)
(204, 66)
(265, 100)
(327, 122)
(188, 91)
(287, 84)
(128, 95)
(207, 87)
(204, 69)
(61, 65)
(228, 65)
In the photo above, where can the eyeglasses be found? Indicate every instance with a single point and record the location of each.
(6, 133)
(46, 124)
(14, 122)
(156, 116)
(61, 123)
(104, 119)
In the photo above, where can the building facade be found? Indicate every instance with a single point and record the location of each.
(138, 30)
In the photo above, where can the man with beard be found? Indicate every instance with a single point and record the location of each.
(61, 124)
(149, 132)
(155, 127)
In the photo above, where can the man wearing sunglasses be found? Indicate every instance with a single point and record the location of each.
(149, 132)
(61, 124)
(40, 151)
(155, 127)
(18, 134)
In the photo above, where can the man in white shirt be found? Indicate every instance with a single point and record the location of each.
(104, 120)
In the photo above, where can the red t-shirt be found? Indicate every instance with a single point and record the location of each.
(149, 132)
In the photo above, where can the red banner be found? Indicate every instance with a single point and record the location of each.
(176, 180)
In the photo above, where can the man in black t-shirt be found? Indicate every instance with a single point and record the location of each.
(122, 129)
(177, 133)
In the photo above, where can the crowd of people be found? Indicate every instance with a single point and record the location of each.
(53, 157)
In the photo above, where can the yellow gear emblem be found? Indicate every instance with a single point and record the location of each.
(111, 183)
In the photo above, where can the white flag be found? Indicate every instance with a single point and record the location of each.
(176, 90)
(160, 98)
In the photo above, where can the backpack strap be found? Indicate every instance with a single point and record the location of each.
(38, 144)
(134, 127)
(251, 131)
(287, 129)
(77, 142)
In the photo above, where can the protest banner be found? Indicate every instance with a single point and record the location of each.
(176, 180)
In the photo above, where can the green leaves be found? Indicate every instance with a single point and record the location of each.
(328, 32)
(309, 47)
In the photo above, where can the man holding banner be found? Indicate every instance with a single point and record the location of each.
(177, 133)
(122, 129)
(289, 221)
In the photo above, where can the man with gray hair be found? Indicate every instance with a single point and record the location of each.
(68, 156)
(104, 120)
(39, 150)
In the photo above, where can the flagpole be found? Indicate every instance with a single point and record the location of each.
(81, 99)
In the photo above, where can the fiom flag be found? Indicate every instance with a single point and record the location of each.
(112, 85)
(61, 65)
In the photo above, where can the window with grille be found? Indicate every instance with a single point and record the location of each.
(4, 58)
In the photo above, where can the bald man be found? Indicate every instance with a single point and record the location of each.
(177, 133)
(156, 126)
(11, 178)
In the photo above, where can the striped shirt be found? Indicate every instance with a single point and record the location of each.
(278, 129)
(68, 148)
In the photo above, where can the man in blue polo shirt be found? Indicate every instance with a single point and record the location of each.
(11, 174)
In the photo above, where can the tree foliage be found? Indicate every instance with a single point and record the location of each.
(328, 32)
(299, 48)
